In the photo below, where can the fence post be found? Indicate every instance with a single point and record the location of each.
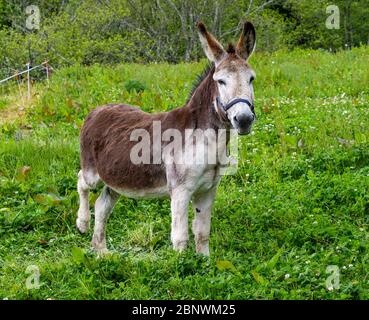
(28, 82)
(47, 72)
(46, 66)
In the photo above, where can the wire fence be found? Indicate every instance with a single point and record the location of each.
(43, 66)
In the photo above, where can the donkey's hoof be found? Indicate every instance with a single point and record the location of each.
(82, 225)
(203, 249)
(180, 246)
(102, 252)
(99, 246)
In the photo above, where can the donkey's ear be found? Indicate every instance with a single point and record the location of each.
(212, 48)
(246, 44)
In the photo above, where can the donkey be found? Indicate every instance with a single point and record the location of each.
(222, 100)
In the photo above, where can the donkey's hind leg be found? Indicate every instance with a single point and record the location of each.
(103, 207)
(83, 219)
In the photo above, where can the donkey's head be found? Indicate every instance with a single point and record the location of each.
(233, 76)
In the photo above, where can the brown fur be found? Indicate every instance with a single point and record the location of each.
(105, 137)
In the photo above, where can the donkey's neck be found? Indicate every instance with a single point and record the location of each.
(200, 104)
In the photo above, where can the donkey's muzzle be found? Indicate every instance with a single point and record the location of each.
(243, 122)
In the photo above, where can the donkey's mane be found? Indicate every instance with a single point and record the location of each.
(200, 77)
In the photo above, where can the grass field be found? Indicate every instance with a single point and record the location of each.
(298, 203)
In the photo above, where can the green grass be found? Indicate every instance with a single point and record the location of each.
(298, 203)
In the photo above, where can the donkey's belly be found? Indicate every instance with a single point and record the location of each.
(144, 193)
(142, 181)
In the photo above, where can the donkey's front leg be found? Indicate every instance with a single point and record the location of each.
(202, 204)
(180, 198)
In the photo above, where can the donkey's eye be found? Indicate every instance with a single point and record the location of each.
(221, 82)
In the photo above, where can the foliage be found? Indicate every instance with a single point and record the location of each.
(298, 203)
(136, 85)
(308, 29)
(115, 31)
